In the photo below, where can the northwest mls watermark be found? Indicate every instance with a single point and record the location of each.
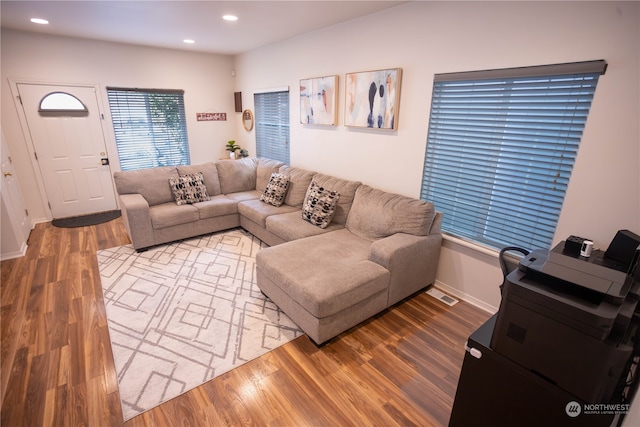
(574, 409)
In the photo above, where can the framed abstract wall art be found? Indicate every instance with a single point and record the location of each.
(318, 100)
(373, 98)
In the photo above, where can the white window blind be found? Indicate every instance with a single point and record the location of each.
(272, 125)
(501, 147)
(150, 127)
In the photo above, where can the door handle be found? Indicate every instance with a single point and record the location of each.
(8, 174)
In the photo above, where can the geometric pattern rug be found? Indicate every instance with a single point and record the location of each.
(183, 313)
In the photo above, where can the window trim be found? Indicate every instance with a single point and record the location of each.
(598, 66)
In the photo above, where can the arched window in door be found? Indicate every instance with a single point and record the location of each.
(61, 102)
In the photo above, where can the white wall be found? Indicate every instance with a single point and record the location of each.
(206, 80)
(425, 38)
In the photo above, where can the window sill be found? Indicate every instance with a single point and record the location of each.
(471, 245)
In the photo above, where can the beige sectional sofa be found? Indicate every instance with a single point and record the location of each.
(377, 249)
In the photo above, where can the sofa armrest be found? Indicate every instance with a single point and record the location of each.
(137, 219)
(411, 260)
(436, 226)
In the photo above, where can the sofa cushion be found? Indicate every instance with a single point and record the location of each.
(276, 189)
(325, 274)
(169, 214)
(189, 189)
(151, 183)
(241, 196)
(217, 206)
(347, 190)
(290, 226)
(376, 214)
(210, 173)
(299, 180)
(319, 205)
(258, 211)
(237, 175)
(264, 169)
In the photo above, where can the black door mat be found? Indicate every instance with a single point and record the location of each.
(85, 220)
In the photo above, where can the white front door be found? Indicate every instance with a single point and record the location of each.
(71, 151)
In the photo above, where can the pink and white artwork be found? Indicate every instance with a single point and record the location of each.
(318, 100)
(373, 98)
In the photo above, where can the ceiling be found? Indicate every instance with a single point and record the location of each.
(167, 23)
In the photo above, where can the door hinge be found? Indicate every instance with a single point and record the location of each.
(10, 159)
(35, 155)
(19, 99)
(102, 116)
(26, 212)
(49, 205)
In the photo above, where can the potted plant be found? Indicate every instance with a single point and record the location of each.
(231, 148)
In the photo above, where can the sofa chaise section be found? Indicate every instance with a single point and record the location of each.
(329, 283)
(325, 283)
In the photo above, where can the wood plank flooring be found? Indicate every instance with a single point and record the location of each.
(400, 368)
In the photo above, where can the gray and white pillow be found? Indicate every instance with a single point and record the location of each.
(276, 189)
(189, 188)
(319, 205)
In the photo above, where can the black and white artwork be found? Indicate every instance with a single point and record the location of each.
(373, 98)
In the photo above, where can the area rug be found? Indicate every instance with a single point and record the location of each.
(183, 313)
(86, 220)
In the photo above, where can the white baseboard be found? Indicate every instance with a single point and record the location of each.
(17, 254)
(465, 297)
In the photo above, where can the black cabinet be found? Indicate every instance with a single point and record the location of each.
(494, 391)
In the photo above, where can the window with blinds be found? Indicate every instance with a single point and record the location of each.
(150, 127)
(500, 149)
(272, 125)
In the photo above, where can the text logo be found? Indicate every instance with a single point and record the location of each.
(573, 409)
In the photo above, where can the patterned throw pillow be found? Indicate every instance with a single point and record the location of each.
(276, 189)
(319, 205)
(189, 188)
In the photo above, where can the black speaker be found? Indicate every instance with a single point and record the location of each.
(623, 247)
(238, 100)
(573, 244)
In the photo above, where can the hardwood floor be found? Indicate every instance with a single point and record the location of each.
(400, 368)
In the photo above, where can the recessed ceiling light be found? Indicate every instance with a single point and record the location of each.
(39, 21)
(189, 41)
(230, 18)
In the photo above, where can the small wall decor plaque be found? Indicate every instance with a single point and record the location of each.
(211, 117)
(373, 98)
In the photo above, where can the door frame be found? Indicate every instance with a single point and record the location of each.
(13, 84)
(13, 199)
